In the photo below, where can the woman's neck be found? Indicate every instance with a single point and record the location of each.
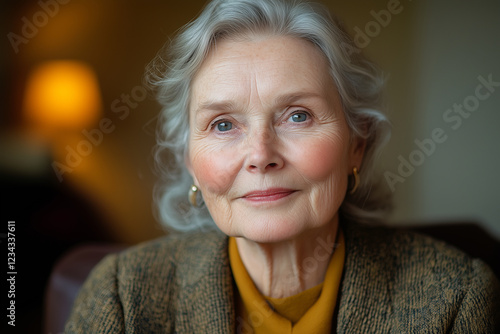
(287, 268)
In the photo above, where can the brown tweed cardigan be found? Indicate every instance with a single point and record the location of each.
(397, 282)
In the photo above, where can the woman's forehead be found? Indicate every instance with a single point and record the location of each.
(262, 47)
(285, 64)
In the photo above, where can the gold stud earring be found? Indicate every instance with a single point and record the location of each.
(356, 181)
(192, 195)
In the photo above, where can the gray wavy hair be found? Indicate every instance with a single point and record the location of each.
(358, 81)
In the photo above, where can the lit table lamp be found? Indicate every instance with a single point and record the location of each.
(62, 99)
(62, 95)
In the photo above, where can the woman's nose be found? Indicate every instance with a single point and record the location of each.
(263, 154)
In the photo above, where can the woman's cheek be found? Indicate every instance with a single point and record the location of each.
(317, 159)
(215, 170)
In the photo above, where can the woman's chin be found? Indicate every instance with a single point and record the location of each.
(271, 231)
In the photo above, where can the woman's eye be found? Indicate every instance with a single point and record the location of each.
(224, 126)
(298, 117)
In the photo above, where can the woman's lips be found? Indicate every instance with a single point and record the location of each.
(267, 195)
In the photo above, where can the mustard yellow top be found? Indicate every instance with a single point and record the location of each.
(310, 311)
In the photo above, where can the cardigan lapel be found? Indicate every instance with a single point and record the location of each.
(206, 297)
(365, 296)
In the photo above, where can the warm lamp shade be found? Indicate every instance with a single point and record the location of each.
(62, 95)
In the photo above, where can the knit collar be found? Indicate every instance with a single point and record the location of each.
(259, 315)
(364, 298)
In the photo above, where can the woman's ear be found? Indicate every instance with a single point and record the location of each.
(189, 167)
(358, 146)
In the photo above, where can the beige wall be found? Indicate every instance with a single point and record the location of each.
(459, 42)
(391, 45)
(433, 53)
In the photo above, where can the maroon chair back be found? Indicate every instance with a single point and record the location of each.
(66, 279)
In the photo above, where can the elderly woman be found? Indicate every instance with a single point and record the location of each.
(271, 116)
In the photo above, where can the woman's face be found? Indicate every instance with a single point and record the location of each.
(269, 146)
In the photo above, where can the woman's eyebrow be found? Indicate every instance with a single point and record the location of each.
(227, 105)
(291, 98)
(211, 105)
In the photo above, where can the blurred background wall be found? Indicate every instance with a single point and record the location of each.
(441, 163)
(436, 54)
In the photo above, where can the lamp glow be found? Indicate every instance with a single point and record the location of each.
(62, 95)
